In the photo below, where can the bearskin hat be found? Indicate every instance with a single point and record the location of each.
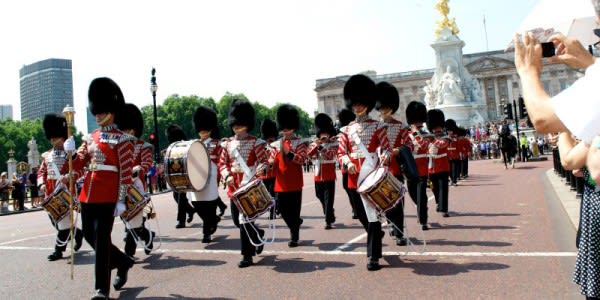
(461, 131)
(130, 117)
(387, 96)
(105, 96)
(324, 124)
(435, 118)
(287, 117)
(241, 113)
(55, 126)
(451, 125)
(268, 129)
(345, 116)
(416, 112)
(360, 89)
(174, 134)
(205, 118)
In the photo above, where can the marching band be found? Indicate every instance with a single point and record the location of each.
(261, 176)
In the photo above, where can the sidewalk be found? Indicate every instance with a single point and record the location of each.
(567, 197)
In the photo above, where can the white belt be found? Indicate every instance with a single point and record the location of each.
(419, 155)
(451, 148)
(327, 161)
(357, 155)
(99, 167)
(438, 156)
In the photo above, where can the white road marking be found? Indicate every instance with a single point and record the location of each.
(350, 242)
(338, 252)
(27, 239)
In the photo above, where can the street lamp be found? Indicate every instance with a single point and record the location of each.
(153, 88)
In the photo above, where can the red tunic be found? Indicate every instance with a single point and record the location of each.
(288, 168)
(324, 155)
(397, 135)
(372, 134)
(438, 154)
(252, 152)
(454, 148)
(420, 146)
(142, 154)
(464, 146)
(108, 154)
(49, 175)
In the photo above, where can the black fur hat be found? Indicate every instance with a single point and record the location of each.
(205, 118)
(174, 134)
(268, 129)
(324, 124)
(287, 117)
(105, 96)
(360, 89)
(451, 125)
(130, 117)
(55, 126)
(241, 113)
(416, 112)
(345, 116)
(387, 96)
(435, 118)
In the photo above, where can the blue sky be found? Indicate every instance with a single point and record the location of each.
(273, 51)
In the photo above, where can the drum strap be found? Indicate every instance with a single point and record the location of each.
(362, 148)
(247, 172)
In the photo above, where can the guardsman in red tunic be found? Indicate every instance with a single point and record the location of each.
(345, 116)
(439, 166)
(454, 149)
(205, 201)
(55, 128)
(362, 147)
(465, 146)
(387, 104)
(242, 158)
(291, 155)
(416, 116)
(130, 121)
(107, 153)
(268, 130)
(323, 152)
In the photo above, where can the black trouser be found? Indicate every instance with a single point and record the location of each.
(183, 207)
(247, 232)
(454, 170)
(507, 158)
(235, 214)
(439, 186)
(396, 214)
(417, 189)
(290, 204)
(359, 208)
(207, 210)
(464, 167)
(62, 236)
(524, 154)
(141, 232)
(97, 222)
(374, 236)
(270, 185)
(220, 204)
(325, 191)
(345, 185)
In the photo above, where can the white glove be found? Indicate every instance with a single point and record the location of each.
(119, 209)
(69, 144)
(433, 150)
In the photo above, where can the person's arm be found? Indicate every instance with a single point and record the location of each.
(572, 153)
(528, 62)
(593, 159)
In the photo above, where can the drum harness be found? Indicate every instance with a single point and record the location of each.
(410, 245)
(248, 176)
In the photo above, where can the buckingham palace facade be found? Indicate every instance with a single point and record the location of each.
(494, 70)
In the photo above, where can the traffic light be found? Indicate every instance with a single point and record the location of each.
(508, 112)
(152, 138)
(522, 109)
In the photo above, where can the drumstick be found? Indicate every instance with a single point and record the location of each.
(69, 113)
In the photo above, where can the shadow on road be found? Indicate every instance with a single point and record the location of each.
(300, 265)
(441, 242)
(436, 226)
(132, 293)
(478, 214)
(435, 268)
(165, 262)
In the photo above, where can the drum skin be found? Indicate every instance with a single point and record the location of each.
(187, 166)
(382, 189)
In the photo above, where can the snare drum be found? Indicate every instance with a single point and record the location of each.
(57, 203)
(253, 199)
(135, 202)
(187, 166)
(382, 189)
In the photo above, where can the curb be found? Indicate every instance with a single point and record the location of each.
(567, 197)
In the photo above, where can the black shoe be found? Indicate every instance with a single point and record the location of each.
(77, 244)
(373, 265)
(100, 294)
(245, 262)
(328, 226)
(55, 256)
(121, 277)
(206, 239)
(180, 225)
(190, 217)
(293, 244)
(446, 215)
(424, 227)
(401, 241)
(148, 249)
(222, 211)
(355, 217)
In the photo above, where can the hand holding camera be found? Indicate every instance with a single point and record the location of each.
(570, 52)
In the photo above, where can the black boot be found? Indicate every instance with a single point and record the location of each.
(100, 295)
(121, 277)
(373, 264)
(245, 262)
(55, 256)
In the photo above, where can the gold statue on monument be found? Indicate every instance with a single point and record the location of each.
(442, 7)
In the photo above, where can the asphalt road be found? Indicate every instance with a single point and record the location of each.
(507, 238)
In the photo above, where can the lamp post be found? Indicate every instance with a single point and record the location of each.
(153, 88)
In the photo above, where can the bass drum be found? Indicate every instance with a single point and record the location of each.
(187, 166)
